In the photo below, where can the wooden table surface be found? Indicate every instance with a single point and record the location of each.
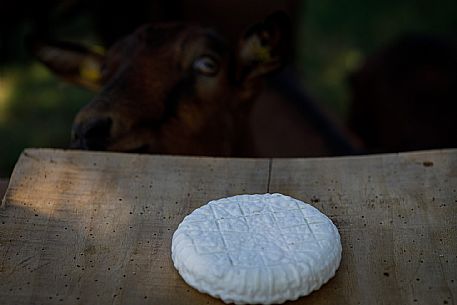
(95, 228)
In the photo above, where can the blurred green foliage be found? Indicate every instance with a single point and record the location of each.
(37, 109)
(336, 36)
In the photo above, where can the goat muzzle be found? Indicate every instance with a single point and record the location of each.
(93, 134)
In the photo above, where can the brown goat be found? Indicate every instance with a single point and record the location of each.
(176, 88)
(170, 88)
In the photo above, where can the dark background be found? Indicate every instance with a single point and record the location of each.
(332, 41)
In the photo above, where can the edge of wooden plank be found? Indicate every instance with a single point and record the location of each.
(32, 152)
(3, 186)
(380, 155)
(5, 194)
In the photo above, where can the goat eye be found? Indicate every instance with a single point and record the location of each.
(206, 66)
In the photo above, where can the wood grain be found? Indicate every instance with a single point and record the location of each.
(397, 218)
(95, 228)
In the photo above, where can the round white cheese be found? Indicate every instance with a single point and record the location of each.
(256, 249)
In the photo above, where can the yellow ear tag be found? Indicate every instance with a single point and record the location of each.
(90, 70)
(261, 53)
(255, 51)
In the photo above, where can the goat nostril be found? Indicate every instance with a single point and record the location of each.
(92, 134)
(97, 129)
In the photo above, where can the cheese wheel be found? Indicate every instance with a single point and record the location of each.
(256, 249)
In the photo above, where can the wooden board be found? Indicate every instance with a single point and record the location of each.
(95, 228)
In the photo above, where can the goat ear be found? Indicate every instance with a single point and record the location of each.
(263, 47)
(73, 62)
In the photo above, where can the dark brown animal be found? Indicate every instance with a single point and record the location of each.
(171, 88)
(176, 88)
(405, 97)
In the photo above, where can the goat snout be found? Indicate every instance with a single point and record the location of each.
(93, 134)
